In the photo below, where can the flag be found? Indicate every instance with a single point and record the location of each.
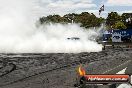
(101, 9)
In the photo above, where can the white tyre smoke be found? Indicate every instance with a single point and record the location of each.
(18, 33)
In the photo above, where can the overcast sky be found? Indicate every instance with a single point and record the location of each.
(77, 6)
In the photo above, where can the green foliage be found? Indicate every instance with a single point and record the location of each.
(126, 16)
(112, 18)
(85, 19)
(70, 17)
(119, 25)
(51, 18)
(115, 21)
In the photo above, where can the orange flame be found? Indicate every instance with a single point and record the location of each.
(81, 71)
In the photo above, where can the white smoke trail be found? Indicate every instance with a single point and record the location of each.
(19, 35)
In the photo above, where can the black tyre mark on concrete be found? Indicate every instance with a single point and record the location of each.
(13, 67)
(59, 68)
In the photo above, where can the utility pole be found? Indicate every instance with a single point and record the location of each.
(100, 10)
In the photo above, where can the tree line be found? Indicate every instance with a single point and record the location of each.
(116, 21)
(87, 20)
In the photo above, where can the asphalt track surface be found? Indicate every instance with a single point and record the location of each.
(59, 70)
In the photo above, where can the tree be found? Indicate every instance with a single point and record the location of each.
(112, 18)
(70, 17)
(85, 19)
(127, 19)
(51, 18)
(119, 25)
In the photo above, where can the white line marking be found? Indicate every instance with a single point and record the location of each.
(116, 67)
(122, 71)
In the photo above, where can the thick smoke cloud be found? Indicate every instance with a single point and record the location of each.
(18, 33)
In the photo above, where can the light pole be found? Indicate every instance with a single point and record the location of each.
(71, 19)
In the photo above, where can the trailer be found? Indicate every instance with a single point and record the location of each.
(117, 38)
